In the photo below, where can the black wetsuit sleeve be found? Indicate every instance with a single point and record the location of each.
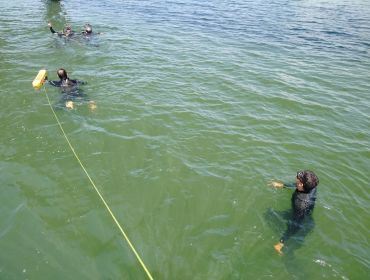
(78, 82)
(54, 32)
(290, 185)
(55, 83)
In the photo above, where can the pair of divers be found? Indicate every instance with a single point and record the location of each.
(67, 32)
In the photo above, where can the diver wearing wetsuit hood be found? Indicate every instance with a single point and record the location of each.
(70, 89)
(65, 81)
(303, 202)
(88, 33)
(87, 30)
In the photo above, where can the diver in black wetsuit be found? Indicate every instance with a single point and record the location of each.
(70, 89)
(303, 202)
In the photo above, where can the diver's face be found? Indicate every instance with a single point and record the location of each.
(299, 185)
(68, 31)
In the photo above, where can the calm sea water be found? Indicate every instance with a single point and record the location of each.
(199, 105)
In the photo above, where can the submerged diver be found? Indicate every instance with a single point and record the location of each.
(69, 88)
(303, 202)
(67, 31)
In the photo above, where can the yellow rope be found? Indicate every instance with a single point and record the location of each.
(96, 189)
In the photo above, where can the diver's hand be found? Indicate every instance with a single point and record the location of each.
(276, 184)
(70, 105)
(279, 247)
(49, 24)
(92, 105)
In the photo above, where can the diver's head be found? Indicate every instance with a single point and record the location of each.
(88, 28)
(62, 74)
(67, 30)
(307, 180)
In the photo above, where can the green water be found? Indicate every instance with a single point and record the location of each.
(198, 107)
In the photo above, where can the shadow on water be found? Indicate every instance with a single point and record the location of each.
(55, 12)
(278, 221)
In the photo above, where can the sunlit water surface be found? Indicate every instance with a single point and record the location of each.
(199, 105)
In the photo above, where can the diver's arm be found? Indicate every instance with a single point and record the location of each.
(79, 82)
(51, 28)
(281, 185)
(290, 185)
(76, 82)
(294, 224)
(55, 83)
(53, 31)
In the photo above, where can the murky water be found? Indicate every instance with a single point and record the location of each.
(199, 105)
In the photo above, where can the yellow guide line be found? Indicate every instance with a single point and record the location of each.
(97, 191)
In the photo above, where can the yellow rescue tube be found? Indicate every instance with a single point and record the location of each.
(40, 79)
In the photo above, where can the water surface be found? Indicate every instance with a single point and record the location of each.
(199, 106)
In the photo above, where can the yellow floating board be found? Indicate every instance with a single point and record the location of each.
(40, 79)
